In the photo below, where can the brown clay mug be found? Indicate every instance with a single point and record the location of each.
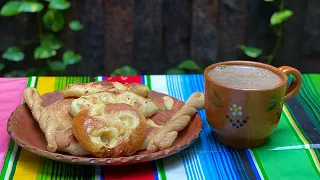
(245, 118)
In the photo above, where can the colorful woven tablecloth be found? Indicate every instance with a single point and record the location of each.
(292, 152)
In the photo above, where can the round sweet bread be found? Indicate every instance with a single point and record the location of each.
(119, 131)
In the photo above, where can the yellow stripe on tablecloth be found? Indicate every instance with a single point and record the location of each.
(27, 166)
(45, 84)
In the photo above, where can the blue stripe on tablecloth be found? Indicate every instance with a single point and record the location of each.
(216, 161)
(219, 152)
(171, 91)
(240, 162)
(192, 168)
(143, 81)
(155, 171)
(255, 170)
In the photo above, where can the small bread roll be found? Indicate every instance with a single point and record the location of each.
(119, 131)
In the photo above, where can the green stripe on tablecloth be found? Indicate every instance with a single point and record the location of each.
(309, 142)
(288, 161)
(6, 161)
(58, 171)
(314, 79)
(36, 83)
(308, 91)
(161, 169)
(148, 81)
(308, 110)
(63, 171)
(54, 170)
(40, 174)
(310, 99)
(15, 163)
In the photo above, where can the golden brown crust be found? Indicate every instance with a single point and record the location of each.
(138, 88)
(95, 102)
(119, 131)
(165, 136)
(83, 89)
(55, 122)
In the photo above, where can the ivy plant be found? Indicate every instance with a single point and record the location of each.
(276, 22)
(184, 67)
(50, 21)
(125, 71)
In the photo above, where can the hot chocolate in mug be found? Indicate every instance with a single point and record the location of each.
(244, 100)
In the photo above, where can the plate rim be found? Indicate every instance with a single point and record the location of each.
(82, 160)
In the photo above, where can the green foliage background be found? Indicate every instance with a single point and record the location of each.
(51, 20)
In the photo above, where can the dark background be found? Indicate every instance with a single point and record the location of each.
(155, 35)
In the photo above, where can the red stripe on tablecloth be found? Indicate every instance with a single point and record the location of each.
(124, 79)
(139, 171)
(10, 96)
(129, 172)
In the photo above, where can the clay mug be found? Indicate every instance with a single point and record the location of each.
(245, 118)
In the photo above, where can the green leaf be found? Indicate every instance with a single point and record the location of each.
(53, 20)
(2, 66)
(280, 16)
(16, 73)
(271, 107)
(125, 71)
(217, 101)
(27, 6)
(69, 57)
(175, 71)
(43, 52)
(13, 53)
(250, 51)
(37, 72)
(216, 95)
(75, 25)
(59, 4)
(10, 8)
(51, 41)
(190, 65)
(57, 66)
(269, 0)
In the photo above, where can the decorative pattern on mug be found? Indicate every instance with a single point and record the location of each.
(236, 110)
(274, 101)
(237, 122)
(217, 100)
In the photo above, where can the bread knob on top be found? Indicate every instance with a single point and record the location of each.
(95, 102)
(119, 130)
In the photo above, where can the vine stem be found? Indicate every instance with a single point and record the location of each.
(281, 4)
(279, 37)
(276, 47)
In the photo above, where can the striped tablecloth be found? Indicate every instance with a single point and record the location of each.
(292, 152)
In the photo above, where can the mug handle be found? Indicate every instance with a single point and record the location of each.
(295, 84)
